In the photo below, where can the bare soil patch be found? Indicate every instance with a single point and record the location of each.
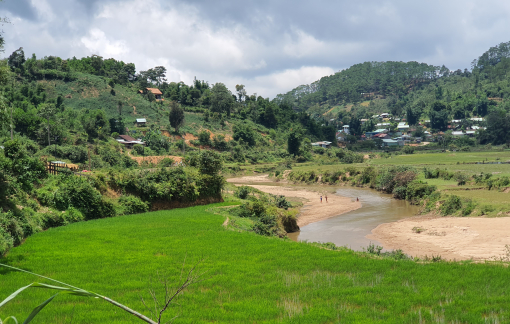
(155, 159)
(453, 238)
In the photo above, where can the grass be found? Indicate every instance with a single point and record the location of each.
(253, 279)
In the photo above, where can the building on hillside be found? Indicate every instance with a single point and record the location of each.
(385, 115)
(383, 124)
(323, 144)
(128, 141)
(382, 136)
(377, 131)
(390, 142)
(346, 129)
(141, 122)
(363, 121)
(158, 95)
(470, 133)
(457, 133)
(402, 127)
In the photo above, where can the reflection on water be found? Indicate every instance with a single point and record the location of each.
(350, 229)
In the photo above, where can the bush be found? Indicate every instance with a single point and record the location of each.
(451, 205)
(468, 208)
(204, 138)
(486, 209)
(138, 149)
(65, 192)
(461, 179)
(57, 218)
(166, 162)
(219, 143)
(408, 149)
(242, 192)
(268, 225)
(6, 241)
(133, 205)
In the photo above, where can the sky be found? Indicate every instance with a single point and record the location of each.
(270, 46)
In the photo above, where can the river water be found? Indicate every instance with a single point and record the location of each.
(350, 229)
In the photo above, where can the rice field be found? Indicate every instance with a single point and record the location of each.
(250, 278)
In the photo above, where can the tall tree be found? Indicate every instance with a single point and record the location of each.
(48, 111)
(221, 99)
(176, 116)
(294, 142)
(241, 91)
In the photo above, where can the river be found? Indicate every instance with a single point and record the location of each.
(350, 229)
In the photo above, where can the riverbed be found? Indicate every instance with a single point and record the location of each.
(350, 229)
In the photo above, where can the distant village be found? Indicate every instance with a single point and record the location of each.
(394, 132)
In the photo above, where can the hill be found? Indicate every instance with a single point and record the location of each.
(409, 89)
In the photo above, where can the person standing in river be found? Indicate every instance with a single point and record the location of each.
(326, 196)
(321, 199)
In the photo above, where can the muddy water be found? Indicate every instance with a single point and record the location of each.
(350, 229)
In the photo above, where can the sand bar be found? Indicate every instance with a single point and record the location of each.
(453, 238)
(313, 210)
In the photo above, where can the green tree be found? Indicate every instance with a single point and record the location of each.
(48, 112)
(221, 99)
(96, 124)
(294, 142)
(244, 133)
(176, 116)
(439, 116)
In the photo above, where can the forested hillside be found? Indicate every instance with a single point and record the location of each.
(410, 90)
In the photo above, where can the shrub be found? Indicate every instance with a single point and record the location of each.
(56, 218)
(204, 138)
(6, 241)
(138, 149)
(400, 192)
(242, 192)
(268, 225)
(461, 179)
(451, 205)
(408, 149)
(219, 143)
(133, 205)
(72, 191)
(468, 208)
(166, 162)
(486, 209)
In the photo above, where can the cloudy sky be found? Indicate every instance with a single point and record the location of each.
(271, 46)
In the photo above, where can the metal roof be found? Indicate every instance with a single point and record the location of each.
(141, 120)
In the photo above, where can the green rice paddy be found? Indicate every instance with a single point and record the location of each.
(250, 278)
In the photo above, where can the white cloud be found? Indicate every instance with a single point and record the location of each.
(97, 42)
(270, 46)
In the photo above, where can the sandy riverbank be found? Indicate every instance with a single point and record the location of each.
(313, 210)
(452, 238)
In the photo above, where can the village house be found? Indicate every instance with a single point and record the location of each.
(402, 127)
(323, 144)
(141, 122)
(128, 141)
(390, 142)
(158, 95)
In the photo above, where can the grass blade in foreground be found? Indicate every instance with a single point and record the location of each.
(9, 318)
(190, 279)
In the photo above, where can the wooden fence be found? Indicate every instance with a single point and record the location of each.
(55, 168)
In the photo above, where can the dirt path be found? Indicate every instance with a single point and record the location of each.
(452, 238)
(313, 210)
